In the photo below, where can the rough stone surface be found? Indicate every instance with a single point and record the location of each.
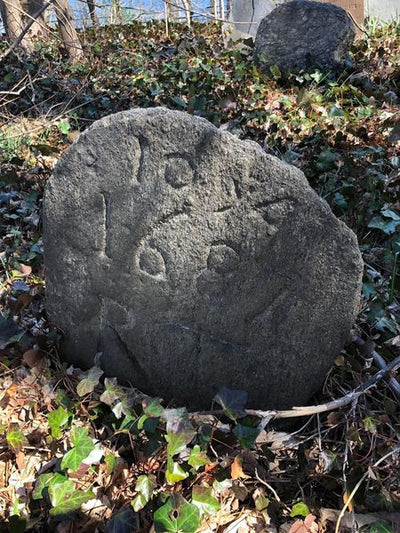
(304, 35)
(193, 260)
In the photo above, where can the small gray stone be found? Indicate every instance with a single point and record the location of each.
(303, 35)
(193, 260)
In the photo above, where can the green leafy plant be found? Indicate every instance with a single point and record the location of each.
(83, 446)
(153, 462)
(177, 515)
(58, 418)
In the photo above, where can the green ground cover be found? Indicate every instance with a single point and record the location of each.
(79, 452)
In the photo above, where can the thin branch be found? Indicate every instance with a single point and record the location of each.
(358, 485)
(361, 28)
(13, 93)
(322, 408)
(367, 349)
(269, 487)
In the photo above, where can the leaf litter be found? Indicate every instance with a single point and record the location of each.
(79, 451)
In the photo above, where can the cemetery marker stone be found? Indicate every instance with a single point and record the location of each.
(304, 35)
(193, 260)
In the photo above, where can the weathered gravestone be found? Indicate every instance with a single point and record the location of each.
(304, 35)
(194, 260)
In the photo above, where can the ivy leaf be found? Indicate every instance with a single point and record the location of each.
(45, 481)
(64, 127)
(153, 408)
(340, 200)
(368, 289)
(95, 456)
(58, 492)
(57, 418)
(67, 500)
(9, 332)
(15, 438)
(386, 323)
(370, 424)
(112, 391)
(183, 518)
(179, 428)
(111, 462)
(145, 486)
(125, 521)
(116, 398)
(388, 213)
(299, 509)
(89, 382)
(198, 458)
(388, 226)
(326, 160)
(336, 111)
(178, 101)
(176, 443)
(178, 421)
(232, 402)
(275, 71)
(175, 472)
(83, 445)
(246, 435)
(202, 497)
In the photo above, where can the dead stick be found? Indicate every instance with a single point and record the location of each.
(367, 349)
(322, 408)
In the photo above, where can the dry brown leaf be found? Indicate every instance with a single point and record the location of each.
(307, 526)
(20, 460)
(12, 390)
(346, 499)
(22, 302)
(309, 522)
(81, 472)
(334, 418)
(237, 470)
(33, 357)
(26, 270)
(298, 527)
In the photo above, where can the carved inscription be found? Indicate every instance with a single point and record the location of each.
(214, 281)
(190, 252)
(178, 172)
(222, 259)
(151, 262)
(275, 211)
(89, 158)
(107, 224)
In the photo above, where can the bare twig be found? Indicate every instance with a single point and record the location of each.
(322, 408)
(353, 492)
(13, 93)
(268, 486)
(361, 28)
(367, 349)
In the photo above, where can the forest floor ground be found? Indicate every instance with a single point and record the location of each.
(78, 452)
